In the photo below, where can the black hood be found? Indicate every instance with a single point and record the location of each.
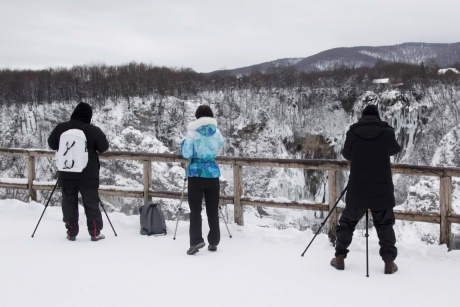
(369, 127)
(83, 112)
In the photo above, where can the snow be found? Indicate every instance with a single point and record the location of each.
(257, 266)
(13, 180)
(444, 70)
(381, 81)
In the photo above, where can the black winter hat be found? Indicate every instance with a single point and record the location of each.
(83, 112)
(203, 111)
(371, 110)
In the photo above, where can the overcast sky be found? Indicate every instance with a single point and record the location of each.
(208, 35)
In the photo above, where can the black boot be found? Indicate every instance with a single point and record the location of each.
(338, 262)
(98, 237)
(390, 267)
(212, 248)
(195, 248)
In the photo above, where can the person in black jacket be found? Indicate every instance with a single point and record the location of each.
(368, 146)
(86, 182)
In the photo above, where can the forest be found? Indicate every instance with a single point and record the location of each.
(98, 82)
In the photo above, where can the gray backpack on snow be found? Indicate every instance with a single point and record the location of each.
(152, 219)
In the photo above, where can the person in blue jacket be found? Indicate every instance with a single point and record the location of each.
(200, 146)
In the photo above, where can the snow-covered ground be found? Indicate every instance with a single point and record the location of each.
(256, 267)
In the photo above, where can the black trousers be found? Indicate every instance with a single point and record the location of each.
(210, 189)
(383, 223)
(90, 197)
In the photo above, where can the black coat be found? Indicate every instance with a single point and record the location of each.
(368, 145)
(96, 142)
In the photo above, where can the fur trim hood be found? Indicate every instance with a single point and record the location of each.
(202, 121)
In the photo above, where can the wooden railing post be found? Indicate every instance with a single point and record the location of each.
(147, 177)
(332, 191)
(31, 177)
(237, 193)
(445, 208)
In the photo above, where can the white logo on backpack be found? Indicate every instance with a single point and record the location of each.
(72, 155)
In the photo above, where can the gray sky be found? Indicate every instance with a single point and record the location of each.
(208, 35)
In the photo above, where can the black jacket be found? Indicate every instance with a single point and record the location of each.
(368, 145)
(97, 143)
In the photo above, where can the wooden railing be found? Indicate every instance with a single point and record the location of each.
(445, 217)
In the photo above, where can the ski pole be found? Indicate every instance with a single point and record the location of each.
(45, 208)
(225, 221)
(102, 205)
(324, 222)
(180, 208)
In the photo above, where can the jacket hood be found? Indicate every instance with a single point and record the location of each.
(205, 126)
(369, 127)
(83, 112)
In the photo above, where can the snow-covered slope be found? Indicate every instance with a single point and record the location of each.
(281, 123)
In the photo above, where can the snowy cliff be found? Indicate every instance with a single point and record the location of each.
(281, 123)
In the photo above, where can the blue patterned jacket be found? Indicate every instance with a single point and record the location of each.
(200, 146)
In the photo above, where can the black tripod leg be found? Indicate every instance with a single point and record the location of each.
(222, 214)
(367, 243)
(324, 222)
(180, 208)
(102, 205)
(46, 206)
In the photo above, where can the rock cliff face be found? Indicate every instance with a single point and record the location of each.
(308, 124)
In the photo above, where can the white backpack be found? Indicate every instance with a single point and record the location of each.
(72, 155)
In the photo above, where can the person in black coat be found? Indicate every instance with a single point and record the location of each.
(86, 182)
(368, 146)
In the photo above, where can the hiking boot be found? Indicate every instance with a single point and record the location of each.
(195, 248)
(71, 238)
(338, 262)
(390, 267)
(212, 248)
(98, 237)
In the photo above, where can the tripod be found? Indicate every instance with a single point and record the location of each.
(327, 217)
(180, 208)
(46, 206)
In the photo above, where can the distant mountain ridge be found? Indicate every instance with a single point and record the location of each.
(362, 56)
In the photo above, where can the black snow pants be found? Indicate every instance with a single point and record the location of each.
(90, 198)
(383, 223)
(210, 189)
